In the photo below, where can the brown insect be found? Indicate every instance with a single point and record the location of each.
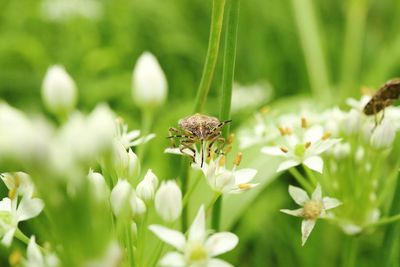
(195, 129)
(385, 96)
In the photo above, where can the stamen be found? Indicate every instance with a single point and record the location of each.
(326, 136)
(15, 258)
(222, 161)
(238, 159)
(282, 131)
(244, 186)
(12, 193)
(227, 149)
(304, 123)
(284, 149)
(307, 145)
(231, 138)
(264, 109)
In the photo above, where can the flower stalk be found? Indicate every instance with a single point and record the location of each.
(212, 54)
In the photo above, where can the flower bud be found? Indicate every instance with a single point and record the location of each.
(147, 187)
(149, 85)
(168, 201)
(383, 135)
(59, 91)
(138, 207)
(133, 168)
(120, 196)
(352, 122)
(120, 159)
(98, 186)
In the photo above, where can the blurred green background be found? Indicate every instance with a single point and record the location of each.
(99, 41)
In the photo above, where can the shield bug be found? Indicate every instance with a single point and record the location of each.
(195, 129)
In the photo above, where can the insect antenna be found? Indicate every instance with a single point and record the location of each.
(202, 153)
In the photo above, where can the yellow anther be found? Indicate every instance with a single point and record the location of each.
(17, 180)
(238, 159)
(307, 145)
(264, 109)
(227, 149)
(244, 186)
(222, 161)
(12, 193)
(284, 149)
(15, 258)
(326, 136)
(304, 123)
(231, 138)
(282, 130)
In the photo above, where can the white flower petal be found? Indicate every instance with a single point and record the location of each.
(315, 163)
(273, 151)
(297, 213)
(173, 259)
(142, 140)
(317, 194)
(306, 228)
(8, 237)
(33, 251)
(197, 231)
(323, 145)
(287, 164)
(299, 195)
(313, 134)
(330, 203)
(220, 243)
(244, 176)
(29, 208)
(5, 204)
(218, 263)
(172, 237)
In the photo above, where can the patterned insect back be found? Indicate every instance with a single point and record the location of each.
(384, 97)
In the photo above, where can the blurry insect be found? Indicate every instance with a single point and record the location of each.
(198, 128)
(383, 98)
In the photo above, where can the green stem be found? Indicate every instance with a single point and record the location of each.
(391, 236)
(354, 35)
(386, 220)
(190, 191)
(212, 54)
(22, 237)
(350, 252)
(310, 175)
(213, 201)
(312, 48)
(228, 73)
(185, 166)
(147, 120)
(216, 205)
(301, 180)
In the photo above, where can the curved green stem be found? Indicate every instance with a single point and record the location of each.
(212, 54)
(301, 180)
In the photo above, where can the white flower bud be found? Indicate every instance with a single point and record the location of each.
(168, 201)
(352, 122)
(149, 85)
(383, 135)
(341, 150)
(98, 186)
(120, 196)
(147, 187)
(59, 91)
(138, 207)
(133, 169)
(120, 159)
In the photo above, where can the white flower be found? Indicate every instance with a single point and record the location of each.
(59, 91)
(224, 181)
(35, 258)
(147, 187)
(302, 148)
(168, 201)
(198, 249)
(138, 207)
(383, 135)
(312, 209)
(129, 139)
(120, 196)
(125, 163)
(18, 184)
(149, 85)
(11, 213)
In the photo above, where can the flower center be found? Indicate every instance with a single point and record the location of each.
(312, 210)
(197, 253)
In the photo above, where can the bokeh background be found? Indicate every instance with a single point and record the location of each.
(98, 42)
